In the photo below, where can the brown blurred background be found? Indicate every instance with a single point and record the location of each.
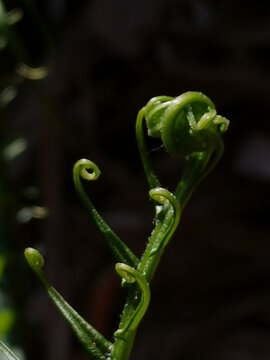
(105, 59)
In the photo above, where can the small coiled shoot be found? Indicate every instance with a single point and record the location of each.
(131, 276)
(166, 198)
(89, 171)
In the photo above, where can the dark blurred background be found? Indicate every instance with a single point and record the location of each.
(96, 63)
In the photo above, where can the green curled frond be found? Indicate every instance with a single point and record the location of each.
(166, 198)
(182, 123)
(9, 354)
(94, 343)
(130, 275)
(187, 125)
(89, 171)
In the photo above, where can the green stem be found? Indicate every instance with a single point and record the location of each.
(89, 171)
(131, 275)
(152, 178)
(165, 227)
(149, 263)
(147, 267)
(94, 343)
(197, 166)
(164, 197)
(138, 301)
(7, 352)
(122, 347)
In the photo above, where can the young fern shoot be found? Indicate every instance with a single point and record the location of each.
(187, 126)
(89, 171)
(94, 343)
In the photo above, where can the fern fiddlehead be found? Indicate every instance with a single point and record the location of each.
(188, 126)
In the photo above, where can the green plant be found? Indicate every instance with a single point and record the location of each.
(189, 126)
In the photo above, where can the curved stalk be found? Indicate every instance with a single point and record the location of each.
(150, 173)
(9, 354)
(137, 304)
(94, 343)
(131, 275)
(165, 198)
(89, 171)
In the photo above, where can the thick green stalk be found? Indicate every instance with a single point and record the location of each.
(161, 235)
(122, 347)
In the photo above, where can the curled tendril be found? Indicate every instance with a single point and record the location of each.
(165, 197)
(94, 343)
(222, 122)
(131, 275)
(89, 171)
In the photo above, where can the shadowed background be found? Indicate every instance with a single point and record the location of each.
(105, 60)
